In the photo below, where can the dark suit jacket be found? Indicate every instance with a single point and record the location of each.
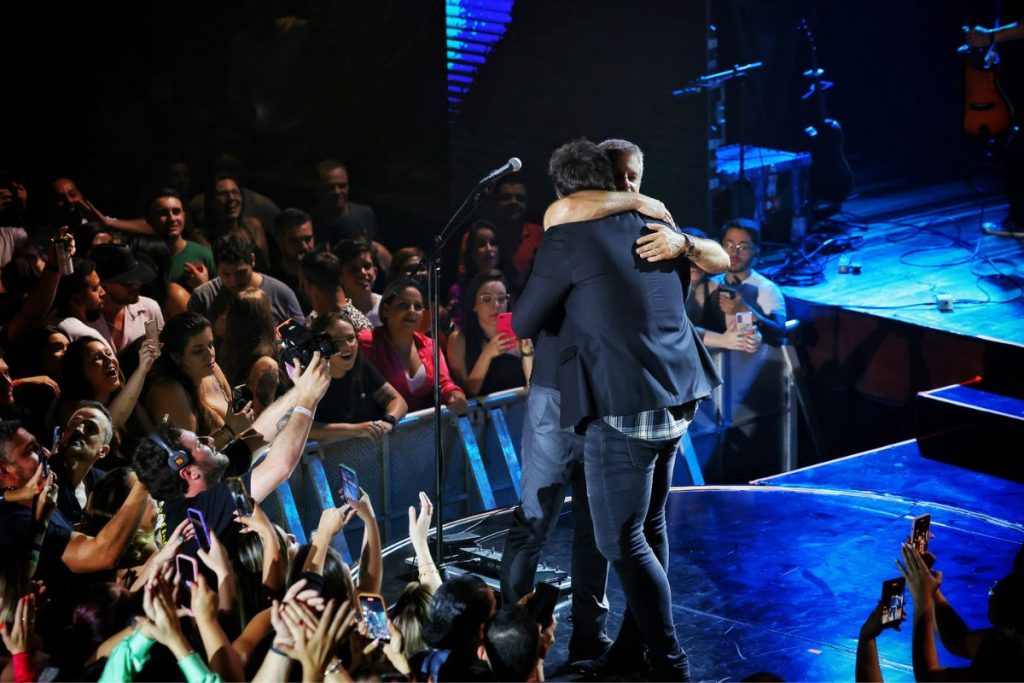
(625, 344)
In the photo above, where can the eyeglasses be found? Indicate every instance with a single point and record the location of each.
(495, 298)
(407, 305)
(738, 248)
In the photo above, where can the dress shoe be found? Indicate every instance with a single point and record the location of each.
(588, 648)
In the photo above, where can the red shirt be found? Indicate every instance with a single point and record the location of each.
(378, 350)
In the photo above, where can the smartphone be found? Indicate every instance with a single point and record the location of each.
(919, 533)
(893, 594)
(199, 527)
(542, 606)
(349, 483)
(744, 321)
(375, 614)
(240, 396)
(239, 495)
(188, 570)
(505, 324)
(153, 330)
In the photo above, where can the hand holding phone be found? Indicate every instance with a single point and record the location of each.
(241, 395)
(505, 325)
(153, 331)
(893, 596)
(349, 484)
(920, 530)
(239, 495)
(375, 614)
(199, 527)
(188, 570)
(542, 605)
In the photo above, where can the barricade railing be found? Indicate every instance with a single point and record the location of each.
(482, 452)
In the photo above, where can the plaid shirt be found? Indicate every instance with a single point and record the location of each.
(653, 425)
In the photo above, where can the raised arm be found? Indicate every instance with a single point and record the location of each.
(287, 446)
(124, 403)
(590, 205)
(371, 559)
(85, 554)
(666, 244)
(37, 304)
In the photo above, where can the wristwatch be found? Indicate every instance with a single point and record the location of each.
(390, 419)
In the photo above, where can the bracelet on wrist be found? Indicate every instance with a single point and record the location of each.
(279, 652)
(302, 410)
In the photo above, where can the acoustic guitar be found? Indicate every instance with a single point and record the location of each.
(987, 112)
(831, 175)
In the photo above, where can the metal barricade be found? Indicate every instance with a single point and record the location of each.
(750, 418)
(480, 458)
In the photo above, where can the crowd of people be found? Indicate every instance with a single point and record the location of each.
(145, 385)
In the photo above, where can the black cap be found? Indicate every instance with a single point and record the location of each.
(115, 263)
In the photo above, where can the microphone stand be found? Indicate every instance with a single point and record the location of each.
(465, 210)
(716, 80)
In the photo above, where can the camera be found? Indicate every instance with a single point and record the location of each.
(299, 342)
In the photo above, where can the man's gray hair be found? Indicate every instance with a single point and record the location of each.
(614, 147)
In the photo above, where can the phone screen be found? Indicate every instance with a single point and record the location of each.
(349, 483)
(199, 526)
(505, 324)
(188, 569)
(744, 321)
(240, 396)
(239, 495)
(919, 533)
(376, 617)
(893, 593)
(153, 330)
(542, 606)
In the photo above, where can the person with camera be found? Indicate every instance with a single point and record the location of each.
(185, 471)
(359, 403)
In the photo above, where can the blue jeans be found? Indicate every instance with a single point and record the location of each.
(552, 460)
(629, 481)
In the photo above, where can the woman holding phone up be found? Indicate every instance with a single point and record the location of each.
(483, 357)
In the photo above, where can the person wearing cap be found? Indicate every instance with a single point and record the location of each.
(125, 312)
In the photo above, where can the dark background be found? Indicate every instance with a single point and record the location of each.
(104, 93)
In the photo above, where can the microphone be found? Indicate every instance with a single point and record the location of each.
(511, 166)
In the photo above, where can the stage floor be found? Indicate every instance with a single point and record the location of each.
(780, 576)
(921, 245)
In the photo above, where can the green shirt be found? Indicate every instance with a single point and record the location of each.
(192, 253)
(131, 654)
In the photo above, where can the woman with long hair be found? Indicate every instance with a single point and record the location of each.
(403, 355)
(187, 388)
(249, 350)
(90, 372)
(480, 253)
(481, 359)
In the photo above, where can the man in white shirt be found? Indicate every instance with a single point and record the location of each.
(125, 312)
(744, 289)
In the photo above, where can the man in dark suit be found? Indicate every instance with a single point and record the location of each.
(630, 370)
